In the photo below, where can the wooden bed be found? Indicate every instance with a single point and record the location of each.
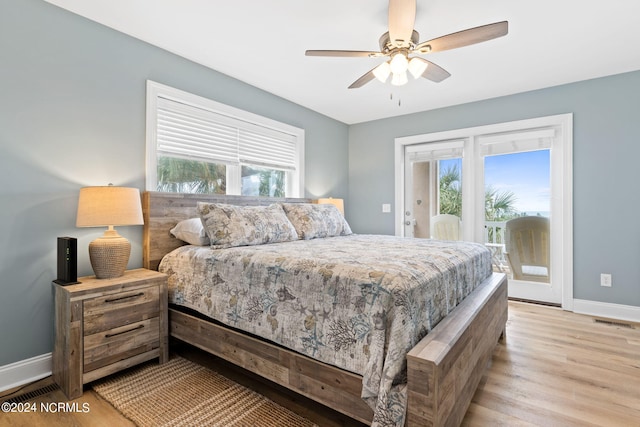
(444, 368)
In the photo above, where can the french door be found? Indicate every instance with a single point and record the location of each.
(433, 179)
(488, 176)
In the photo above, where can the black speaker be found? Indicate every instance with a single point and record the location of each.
(67, 261)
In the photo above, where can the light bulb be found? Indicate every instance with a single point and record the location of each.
(382, 72)
(399, 79)
(399, 64)
(417, 67)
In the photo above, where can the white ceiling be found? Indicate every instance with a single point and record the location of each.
(262, 42)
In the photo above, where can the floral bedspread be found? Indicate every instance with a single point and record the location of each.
(359, 302)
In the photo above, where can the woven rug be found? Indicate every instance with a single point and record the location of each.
(183, 393)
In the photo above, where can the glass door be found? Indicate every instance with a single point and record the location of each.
(433, 173)
(518, 211)
(494, 189)
(507, 181)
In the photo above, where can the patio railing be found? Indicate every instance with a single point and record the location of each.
(494, 240)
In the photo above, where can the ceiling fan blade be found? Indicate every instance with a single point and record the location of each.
(344, 53)
(366, 78)
(434, 72)
(402, 18)
(464, 38)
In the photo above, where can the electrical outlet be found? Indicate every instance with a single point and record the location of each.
(605, 280)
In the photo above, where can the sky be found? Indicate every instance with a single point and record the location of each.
(525, 174)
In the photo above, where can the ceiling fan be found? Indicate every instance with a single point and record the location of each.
(402, 40)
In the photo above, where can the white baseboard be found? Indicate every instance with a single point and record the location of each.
(25, 371)
(629, 313)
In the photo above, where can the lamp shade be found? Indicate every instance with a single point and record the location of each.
(417, 67)
(399, 64)
(338, 203)
(382, 72)
(399, 79)
(109, 205)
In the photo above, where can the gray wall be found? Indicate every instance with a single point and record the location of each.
(72, 113)
(606, 172)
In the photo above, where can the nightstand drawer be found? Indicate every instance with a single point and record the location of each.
(111, 346)
(119, 309)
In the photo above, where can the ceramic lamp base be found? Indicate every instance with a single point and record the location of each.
(109, 255)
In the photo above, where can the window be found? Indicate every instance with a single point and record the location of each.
(196, 145)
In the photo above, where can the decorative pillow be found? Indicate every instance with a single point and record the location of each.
(191, 231)
(316, 220)
(230, 225)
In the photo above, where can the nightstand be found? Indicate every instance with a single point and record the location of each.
(105, 325)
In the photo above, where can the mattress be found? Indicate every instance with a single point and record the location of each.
(358, 302)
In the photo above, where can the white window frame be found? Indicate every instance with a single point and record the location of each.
(295, 186)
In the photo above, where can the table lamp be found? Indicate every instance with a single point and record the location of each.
(338, 203)
(108, 206)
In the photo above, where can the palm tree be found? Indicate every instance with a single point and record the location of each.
(271, 183)
(190, 176)
(498, 206)
(451, 191)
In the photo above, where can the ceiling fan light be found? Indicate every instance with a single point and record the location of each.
(417, 67)
(399, 79)
(382, 71)
(399, 63)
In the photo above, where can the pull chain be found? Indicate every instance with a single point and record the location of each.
(399, 100)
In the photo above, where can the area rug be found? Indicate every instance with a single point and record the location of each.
(183, 393)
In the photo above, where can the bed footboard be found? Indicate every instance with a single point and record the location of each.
(444, 369)
(331, 386)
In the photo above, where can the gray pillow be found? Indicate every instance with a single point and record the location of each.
(312, 220)
(230, 225)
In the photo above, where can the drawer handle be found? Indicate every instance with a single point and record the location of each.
(124, 332)
(121, 298)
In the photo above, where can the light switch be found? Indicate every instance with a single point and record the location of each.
(386, 208)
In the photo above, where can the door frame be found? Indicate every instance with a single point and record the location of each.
(560, 202)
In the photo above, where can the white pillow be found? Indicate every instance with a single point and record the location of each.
(191, 231)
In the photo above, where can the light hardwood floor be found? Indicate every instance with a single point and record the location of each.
(558, 368)
(555, 368)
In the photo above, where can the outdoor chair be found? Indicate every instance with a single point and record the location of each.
(527, 245)
(446, 227)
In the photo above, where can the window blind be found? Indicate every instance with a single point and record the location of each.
(528, 140)
(267, 147)
(435, 151)
(187, 131)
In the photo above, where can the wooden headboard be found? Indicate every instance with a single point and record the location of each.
(162, 211)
